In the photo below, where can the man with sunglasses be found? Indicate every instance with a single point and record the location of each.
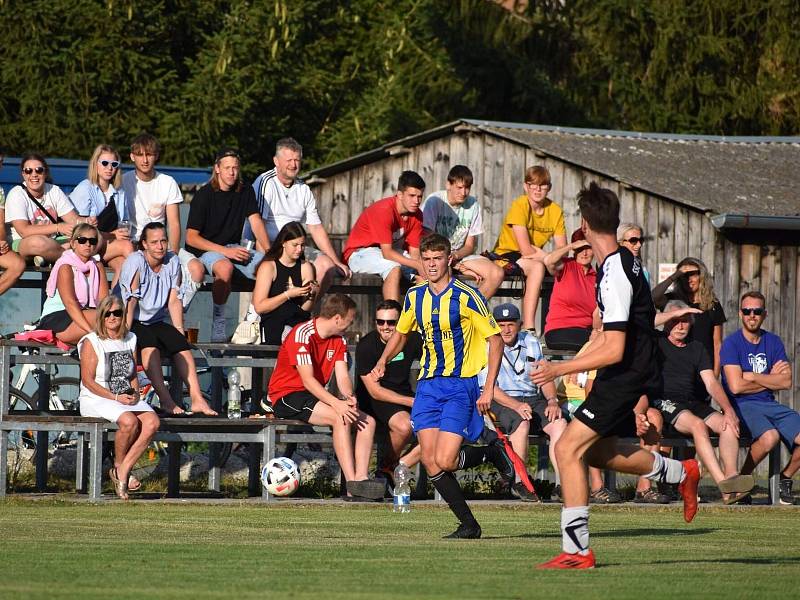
(388, 400)
(755, 366)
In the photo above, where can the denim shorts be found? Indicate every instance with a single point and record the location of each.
(247, 269)
(760, 417)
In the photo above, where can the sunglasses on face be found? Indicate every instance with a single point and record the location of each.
(29, 170)
(752, 311)
(634, 240)
(114, 163)
(389, 322)
(691, 273)
(86, 240)
(114, 313)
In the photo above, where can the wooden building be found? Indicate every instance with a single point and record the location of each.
(734, 202)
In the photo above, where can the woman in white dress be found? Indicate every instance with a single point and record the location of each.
(110, 390)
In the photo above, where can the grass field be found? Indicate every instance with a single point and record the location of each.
(335, 550)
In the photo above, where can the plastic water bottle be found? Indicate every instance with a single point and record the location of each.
(234, 395)
(402, 489)
(533, 349)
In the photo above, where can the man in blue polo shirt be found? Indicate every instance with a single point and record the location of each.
(521, 406)
(754, 367)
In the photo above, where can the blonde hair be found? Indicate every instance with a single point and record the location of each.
(79, 229)
(92, 172)
(705, 297)
(106, 305)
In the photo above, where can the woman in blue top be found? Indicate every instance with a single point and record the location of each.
(100, 199)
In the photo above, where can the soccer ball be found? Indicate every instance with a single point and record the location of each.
(280, 476)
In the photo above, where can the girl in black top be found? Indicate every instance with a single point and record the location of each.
(285, 285)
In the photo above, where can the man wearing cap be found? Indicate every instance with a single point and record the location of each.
(217, 216)
(522, 407)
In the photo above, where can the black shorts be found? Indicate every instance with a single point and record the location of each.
(383, 411)
(297, 405)
(567, 338)
(162, 336)
(609, 409)
(671, 409)
(56, 321)
(509, 419)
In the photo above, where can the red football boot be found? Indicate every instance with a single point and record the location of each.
(565, 560)
(688, 489)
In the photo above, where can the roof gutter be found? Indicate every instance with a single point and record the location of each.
(744, 221)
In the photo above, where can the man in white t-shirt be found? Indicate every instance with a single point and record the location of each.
(456, 215)
(283, 198)
(152, 196)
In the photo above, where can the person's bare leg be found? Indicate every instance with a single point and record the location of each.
(728, 445)
(151, 361)
(147, 426)
(39, 245)
(794, 460)
(184, 363)
(491, 275)
(221, 288)
(73, 333)
(412, 457)
(554, 431)
(519, 439)
(127, 431)
(534, 275)
(399, 434)
(690, 424)
(596, 479)
(391, 285)
(342, 438)
(759, 450)
(365, 434)
(13, 266)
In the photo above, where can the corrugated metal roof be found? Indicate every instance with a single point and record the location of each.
(748, 175)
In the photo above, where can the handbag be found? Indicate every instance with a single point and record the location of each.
(508, 262)
(108, 219)
(247, 332)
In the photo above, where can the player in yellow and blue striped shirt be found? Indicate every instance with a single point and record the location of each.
(455, 325)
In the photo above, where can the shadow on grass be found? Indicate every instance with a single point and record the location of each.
(644, 532)
(778, 560)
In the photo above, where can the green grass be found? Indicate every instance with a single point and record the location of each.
(243, 550)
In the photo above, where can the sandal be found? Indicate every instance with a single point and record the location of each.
(604, 496)
(120, 487)
(133, 483)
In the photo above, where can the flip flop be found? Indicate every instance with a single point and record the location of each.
(165, 414)
(112, 473)
(736, 496)
(133, 483)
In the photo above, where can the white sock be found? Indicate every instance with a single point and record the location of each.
(666, 470)
(219, 312)
(575, 530)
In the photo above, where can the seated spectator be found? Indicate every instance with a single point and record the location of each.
(283, 198)
(155, 197)
(456, 215)
(694, 285)
(285, 287)
(100, 200)
(754, 367)
(11, 263)
(110, 390)
(521, 407)
(150, 282)
(629, 235)
(529, 224)
(75, 287)
(385, 239)
(573, 302)
(389, 400)
(217, 216)
(688, 380)
(41, 215)
(313, 352)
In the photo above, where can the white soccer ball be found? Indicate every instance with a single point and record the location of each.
(280, 476)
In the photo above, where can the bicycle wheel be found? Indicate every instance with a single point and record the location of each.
(64, 392)
(23, 443)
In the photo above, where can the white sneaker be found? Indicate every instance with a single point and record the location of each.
(219, 331)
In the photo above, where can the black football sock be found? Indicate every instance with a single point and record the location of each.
(470, 456)
(447, 486)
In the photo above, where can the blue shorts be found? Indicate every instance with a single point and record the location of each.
(448, 404)
(760, 417)
(247, 269)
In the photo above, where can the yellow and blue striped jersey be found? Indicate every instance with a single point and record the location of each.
(454, 327)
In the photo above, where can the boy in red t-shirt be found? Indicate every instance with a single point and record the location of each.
(310, 354)
(385, 239)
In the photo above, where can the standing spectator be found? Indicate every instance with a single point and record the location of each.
(41, 215)
(154, 197)
(456, 215)
(385, 239)
(150, 283)
(389, 400)
(76, 285)
(283, 198)
(313, 352)
(529, 224)
(12, 264)
(521, 406)
(573, 303)
(630, 236)
(217, 216)
(695, 287)
(754, 367)
(110, 390)
(100, 199)
(285, 287)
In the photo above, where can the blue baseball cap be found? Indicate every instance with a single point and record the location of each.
(506, 312)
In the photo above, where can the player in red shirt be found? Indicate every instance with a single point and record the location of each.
(310, 354)
(385, 239)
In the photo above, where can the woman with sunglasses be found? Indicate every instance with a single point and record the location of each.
(101, 200)
(110, 390)
(41, 215)
(695, 286)
(76, 285)
(629, 235)
(285, 287)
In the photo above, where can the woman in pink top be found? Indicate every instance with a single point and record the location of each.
(573, 302)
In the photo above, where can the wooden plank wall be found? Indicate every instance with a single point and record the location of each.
(672, 231)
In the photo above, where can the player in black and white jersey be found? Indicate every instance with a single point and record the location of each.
(624, 353)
